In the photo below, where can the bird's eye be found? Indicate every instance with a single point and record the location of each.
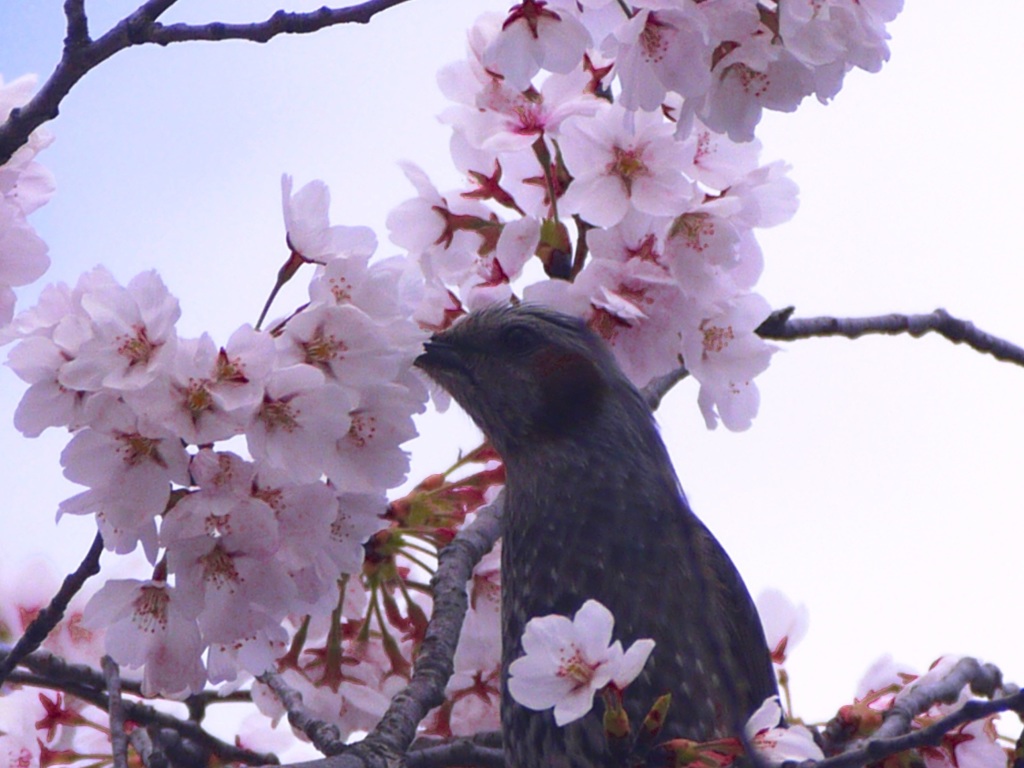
(518, 339)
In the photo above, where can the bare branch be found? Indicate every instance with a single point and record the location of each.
(51, 615)
(78, 24)
(150, 754)
(281, 23)
(781, 326)
(50, 671)
(656, 390)
(118, 737)
(139, 28)
(324, 736)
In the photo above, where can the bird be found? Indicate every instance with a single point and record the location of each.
(594, 511)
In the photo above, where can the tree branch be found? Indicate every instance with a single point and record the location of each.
(895, 734)
(78, 24)
(118, 737)
(50, 671)
(389, 742)
(656, 390)
(875, 750)
(781, 326)
(324, 736)
(282, 22)
(50, 616)
(141, 27)
(151, 755)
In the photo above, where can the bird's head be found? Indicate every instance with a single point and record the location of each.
(523, 373)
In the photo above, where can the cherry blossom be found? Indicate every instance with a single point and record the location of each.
(617, 168)
(536, 34)
(128, 465)
(299, 421)
(495, 116)
(366, 457)
(151, 624)
(723, 352)
(567, 661)
(785, 624)
(310, 233)
(24, 186)
(184, 400)
(133, 337)
(342, 342)
(660, 51)
(779, 743)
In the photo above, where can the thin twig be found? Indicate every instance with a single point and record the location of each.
(656, 390)
(50, 616)
(149, 753)
(78, 24)
(50, 671)
(118, 737)
(875, 750)
(782, 327)
(282, 22)
(324, 736)
(895, 734)
(81, 54)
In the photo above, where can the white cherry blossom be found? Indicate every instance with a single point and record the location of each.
(133, 336)
(537, 34)
(778, 743)
(307, 222)
(152, 625)
(617, 167)
(567, 661)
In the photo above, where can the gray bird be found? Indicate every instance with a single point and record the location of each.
(594, 510)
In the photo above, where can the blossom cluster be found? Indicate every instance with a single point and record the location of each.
(323, 401)
(25, 185)
(635, 123)
(253, 474)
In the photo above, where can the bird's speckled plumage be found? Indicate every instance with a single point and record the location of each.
(594, 510)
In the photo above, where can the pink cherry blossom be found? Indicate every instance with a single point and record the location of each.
(299, 422)
(567, 661)
(617, 167)
(133, 338)
(537, 34)
(342, 342)
(785, 623)
(780, 743)
(366, 457)
(660, 51)
(151, 624)
(128, 465)
(724, 354)
(307, 222)
(498, 117)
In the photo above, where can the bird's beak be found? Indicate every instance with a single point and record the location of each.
(439, 355)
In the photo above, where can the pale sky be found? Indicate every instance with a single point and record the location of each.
(880, 485)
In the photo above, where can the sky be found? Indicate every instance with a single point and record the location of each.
(880, 484)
